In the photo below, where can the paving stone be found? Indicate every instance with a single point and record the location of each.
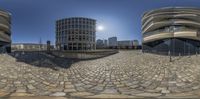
(2, 94)
(21, 90)
(38, 97)
(69, 86)
(58, 94)
(149, 94)
(31, 87)
(111, 96)
(110, 91)
(18, 94)
(69, 90)
(80, 94)
(165, 91)
(133, 74)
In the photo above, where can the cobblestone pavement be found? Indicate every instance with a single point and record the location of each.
(127, 74)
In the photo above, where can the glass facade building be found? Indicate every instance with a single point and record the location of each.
(5, 31)
(174, 31)
(76, 33)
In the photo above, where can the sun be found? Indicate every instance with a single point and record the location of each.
(100, 28)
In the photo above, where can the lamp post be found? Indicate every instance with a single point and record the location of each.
(170, 56)
(172, 29)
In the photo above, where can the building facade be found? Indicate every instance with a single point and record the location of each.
(99, 44)
(112, 42)
(5, 31)
(105, 43)
(174, 31)
(136, 44)
(29, 47)
(76, 33)
(127, 44)
(102, 44)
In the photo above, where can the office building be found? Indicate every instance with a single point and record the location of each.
(172, 30)
(76, 33)
(112, 42)
(126, 44)
(99, 44)
(5, 31)
(105, 43)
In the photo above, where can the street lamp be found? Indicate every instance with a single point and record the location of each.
(172, 29)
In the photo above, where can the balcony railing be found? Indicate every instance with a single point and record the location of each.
(168, 30)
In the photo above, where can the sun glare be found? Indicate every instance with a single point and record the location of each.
(100, 28)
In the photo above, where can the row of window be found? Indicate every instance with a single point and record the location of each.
(170, 29)
(59, 28)
(76, 20)
(70, 38)
(73, 22)
(74, 33)
(78, 46)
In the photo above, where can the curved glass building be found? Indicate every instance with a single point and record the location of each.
(174, 30)
(5, 31)
(76, 33)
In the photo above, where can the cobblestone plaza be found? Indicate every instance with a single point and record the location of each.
(127, 74)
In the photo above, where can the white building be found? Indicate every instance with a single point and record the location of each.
(105, 43)
(99, 43)
(112, 42)
(126, 44)
(28, 47)
(76, 33)
(135, 43)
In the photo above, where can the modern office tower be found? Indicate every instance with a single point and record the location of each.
(5, 31)
(76, 33)
(172, 31)
(112, 42)
(126, 44)
(105, 43)
(99, 44)
(135, 44)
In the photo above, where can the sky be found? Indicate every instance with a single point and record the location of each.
(35, 19)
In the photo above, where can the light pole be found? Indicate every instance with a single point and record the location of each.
(172, 29)
(170, 56)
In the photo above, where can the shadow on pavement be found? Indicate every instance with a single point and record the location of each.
(42, 59)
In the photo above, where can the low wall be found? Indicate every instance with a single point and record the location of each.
(84, 54)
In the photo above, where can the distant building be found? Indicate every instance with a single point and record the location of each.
(126, 44)
(135, 44)
(76, 33)
(99, 44)
(5, 31)
(29, 47)
(112, 42)
(105, 43)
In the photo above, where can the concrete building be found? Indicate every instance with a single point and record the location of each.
(76, 33)
(99, 44)
(112, 42)
(171, 31)
(135, 44)
(5, 31)
(126, 44)
(29, 47)
(105, 43)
